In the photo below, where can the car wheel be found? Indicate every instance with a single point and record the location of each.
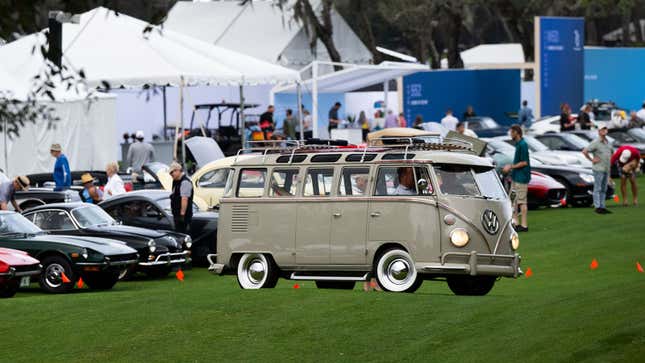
(101, 280)
(256, 271)
(342, 285)
(159, 272)
(471, 285)
(395, 271)
(9, 289)
(51, 280)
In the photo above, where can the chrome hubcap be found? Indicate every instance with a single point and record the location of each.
(54, 275)
(256, 271)
(398, 270)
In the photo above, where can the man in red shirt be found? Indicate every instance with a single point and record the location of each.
(627, 159)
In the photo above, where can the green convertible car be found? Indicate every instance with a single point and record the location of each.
(65, 259)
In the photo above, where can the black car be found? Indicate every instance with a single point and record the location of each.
(485, 127)
(159, 251)
(151, 209)
(564, 141)
(634, 137)
(578, 181)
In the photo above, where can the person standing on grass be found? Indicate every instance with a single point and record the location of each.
(601, 161)
(627, 160)
(139, 154)
(520, 175)
(62, 174)
(181, 199)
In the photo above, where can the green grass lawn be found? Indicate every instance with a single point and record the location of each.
(564, 312)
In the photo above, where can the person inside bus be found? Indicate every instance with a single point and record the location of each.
(406, 182)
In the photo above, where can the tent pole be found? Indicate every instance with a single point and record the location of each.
(165, 117)
(6, 153)
(300, 121)
(241, 115)
(181, 118)
(314, 97)
(386, 91)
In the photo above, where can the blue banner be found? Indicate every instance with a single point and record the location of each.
(493, 93)
(561, 63)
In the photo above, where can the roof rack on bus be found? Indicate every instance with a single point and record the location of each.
(432, 142)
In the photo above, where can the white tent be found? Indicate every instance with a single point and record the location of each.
(260, 29)
(115, 49)
(491, 55)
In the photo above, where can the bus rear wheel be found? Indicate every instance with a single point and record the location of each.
(471, 285)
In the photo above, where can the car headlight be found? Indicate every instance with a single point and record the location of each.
(515, 241)
(188, 242)
(588, 178)
(84, 253)
(459, 237)
(152, 246)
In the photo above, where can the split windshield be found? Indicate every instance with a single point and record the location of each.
(468, 181)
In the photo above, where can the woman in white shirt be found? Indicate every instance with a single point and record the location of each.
(114, 184)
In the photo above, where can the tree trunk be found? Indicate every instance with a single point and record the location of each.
(454, 33)
(324, 31)
(435, 56)
(627, 37)
(591, 31)
(365, 29)
(637, 27)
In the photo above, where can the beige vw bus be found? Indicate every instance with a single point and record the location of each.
(400, 213)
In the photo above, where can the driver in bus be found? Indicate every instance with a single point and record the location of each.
(406, 182)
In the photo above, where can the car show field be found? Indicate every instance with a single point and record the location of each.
(563, 311)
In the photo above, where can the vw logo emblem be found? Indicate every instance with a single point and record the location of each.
(490, 221)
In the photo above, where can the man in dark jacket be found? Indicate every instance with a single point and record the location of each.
(181, 199)
(584, 119)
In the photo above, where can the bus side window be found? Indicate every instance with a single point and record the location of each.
(318, 182)
(283, 183)
(422, 173)
(354, 182)
(251, 183)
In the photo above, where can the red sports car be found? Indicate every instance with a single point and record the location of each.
(545, 191)
(16, 270)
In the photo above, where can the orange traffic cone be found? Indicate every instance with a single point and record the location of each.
(616, 199)
(180, 275)
(528, 272)
(594, 264)
(79, 283)
(296, 286)
(66, 280)
(639, 268)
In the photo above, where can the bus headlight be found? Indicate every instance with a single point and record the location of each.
(515, 241)
(459, 237)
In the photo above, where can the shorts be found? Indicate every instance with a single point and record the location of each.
(521, 192)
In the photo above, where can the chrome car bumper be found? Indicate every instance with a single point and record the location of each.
(166, 259)
(215, 268)
(473, 264)
(13, 273)
(106, 264)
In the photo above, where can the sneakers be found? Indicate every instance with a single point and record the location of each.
(603, 211)
(521, 229)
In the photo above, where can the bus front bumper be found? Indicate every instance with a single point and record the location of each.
(473, 263)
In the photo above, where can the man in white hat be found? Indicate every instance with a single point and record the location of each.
(9, 188)
(62, 174)
(627, 159)
(140, 153)
(181, 198)
(601, 163)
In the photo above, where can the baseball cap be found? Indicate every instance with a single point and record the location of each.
(139, 134)
(624, 156)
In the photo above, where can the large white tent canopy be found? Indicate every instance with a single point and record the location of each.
(115, 48)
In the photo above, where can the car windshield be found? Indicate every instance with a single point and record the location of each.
(91, 215)
(501, 146)
(11, 223)
(576, 140)
(534, 144)
(638, 134)
(623, 137)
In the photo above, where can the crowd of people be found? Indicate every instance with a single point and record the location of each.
(584, 119)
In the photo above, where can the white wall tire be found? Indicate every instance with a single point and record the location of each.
(256, 271)
(395, 271)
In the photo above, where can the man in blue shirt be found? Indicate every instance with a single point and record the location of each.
(520, 175)
(62, 174)
(525, 115)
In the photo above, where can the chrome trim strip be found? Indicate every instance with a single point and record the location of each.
(108, 263)
(329, 278)
(501, 233)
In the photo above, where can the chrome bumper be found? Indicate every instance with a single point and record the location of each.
(215, 268)
(107, 263)
(12, 272)
(166, 259)
(474, 265)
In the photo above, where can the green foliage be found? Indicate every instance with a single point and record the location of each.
(565, 312)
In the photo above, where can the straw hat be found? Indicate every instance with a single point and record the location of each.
(174, 166)
(23, 182)
(87, 178)
(56, 147)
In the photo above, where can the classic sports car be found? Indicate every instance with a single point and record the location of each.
(151, 209)
(543, 191)
(99, 261)
(16, 270)
(159, 251)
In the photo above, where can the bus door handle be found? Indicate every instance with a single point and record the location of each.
(375, 214)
